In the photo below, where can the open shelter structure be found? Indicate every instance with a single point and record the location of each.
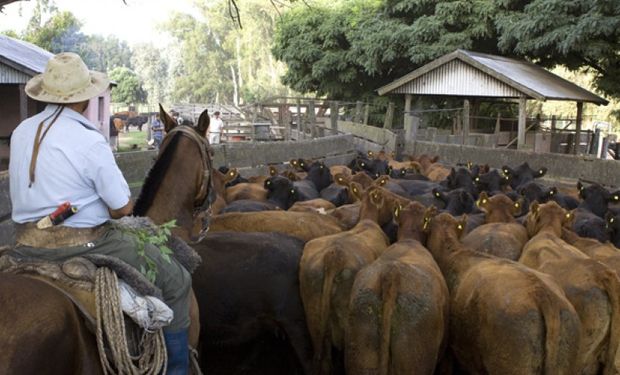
(474, 76)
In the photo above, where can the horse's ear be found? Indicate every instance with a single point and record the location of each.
(203, 123)
(169, 122)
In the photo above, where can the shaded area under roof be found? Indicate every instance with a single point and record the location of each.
(23, 56)
(529, 79)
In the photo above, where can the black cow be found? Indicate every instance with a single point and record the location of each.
(491, 182)
(523, 174)
(457, 202)
(281, 192)
(247, 289)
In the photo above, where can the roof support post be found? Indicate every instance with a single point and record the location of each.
(333, 117)
(408, 118)
(577, 142)
(522, 124)
(466, 119)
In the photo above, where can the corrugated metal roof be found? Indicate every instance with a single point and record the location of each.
(9, 75)
(23, 56)
(530, 80)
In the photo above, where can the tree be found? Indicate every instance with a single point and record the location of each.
(578, 34)
(61, 33)
(218, 62)
(152, 68)
(106, 53)
(349, 49)
(129, 87)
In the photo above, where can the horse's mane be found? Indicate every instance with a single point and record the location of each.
(155, 177)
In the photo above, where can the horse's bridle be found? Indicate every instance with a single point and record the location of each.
(206, 194)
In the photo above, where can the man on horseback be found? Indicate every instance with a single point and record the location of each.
(59, 156)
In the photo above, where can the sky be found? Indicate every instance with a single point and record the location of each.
(135, 22)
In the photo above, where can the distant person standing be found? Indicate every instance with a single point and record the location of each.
(158, 131)
(215, 128)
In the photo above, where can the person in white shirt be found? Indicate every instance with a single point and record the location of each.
(215, 129)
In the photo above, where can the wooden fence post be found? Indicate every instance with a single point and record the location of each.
(366, 113)
(300, 125)
(311, 118)
(389, 116)
(333, 114)
(358, 112)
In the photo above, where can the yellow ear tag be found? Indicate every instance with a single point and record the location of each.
(292, 191)
(437, 195)
(355, 190)
(460, 227)
(382, 182)
(426, 221)
(339, 179)
(616, 197)
(551, 192)
(477, 179)
(611, 220)
(484, 201)
(363, 165)
(506, 171)
(506, 178)
(268, 182)
(568, 215)
(517, 205)
(540, 171)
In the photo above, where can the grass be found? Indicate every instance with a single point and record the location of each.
(126, 141)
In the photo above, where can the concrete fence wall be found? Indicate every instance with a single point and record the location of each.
(250, 158)
(558, 165)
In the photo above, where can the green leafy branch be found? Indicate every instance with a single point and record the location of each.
(159, 239)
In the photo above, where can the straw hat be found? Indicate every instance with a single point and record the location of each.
(66, 80)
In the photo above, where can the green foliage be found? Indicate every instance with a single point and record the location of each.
(129, 87)
(152, 67)
(158, 239)
(577, 34)
(348, 50)
(61, 33)
(217, 61)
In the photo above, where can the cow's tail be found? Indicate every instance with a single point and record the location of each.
(332, 265)
(552, 315)
(390, 284)
(612, 286)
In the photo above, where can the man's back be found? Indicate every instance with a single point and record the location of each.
(75, 164)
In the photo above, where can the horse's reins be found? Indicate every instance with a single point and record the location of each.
(206, 193)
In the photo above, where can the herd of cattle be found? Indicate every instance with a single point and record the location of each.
(412, 267)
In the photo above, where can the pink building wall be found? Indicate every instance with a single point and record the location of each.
(98, 112)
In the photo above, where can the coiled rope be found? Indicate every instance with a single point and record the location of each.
(151, 357)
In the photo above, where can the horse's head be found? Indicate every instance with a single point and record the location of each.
(179, 185)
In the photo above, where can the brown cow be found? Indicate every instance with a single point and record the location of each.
(303, 225)
(399, 307)
(246, 190)
(592, 288)
(504, 318)
(327, 271)
(219, 185)
(314, 205)
(348, 215)
(501, 236)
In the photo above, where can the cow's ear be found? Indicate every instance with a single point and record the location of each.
(397, 210)
(615, 197)
(231, 174)
(507, 170)
(518, 207)
(483, 199)
(341, 179)
(569, 219)
(610, 220)
(273, 171)
(203, 123)
(429, 213)
(169, 122)
(439, 195)
(376, 198)
(268, 184)
(534, 207)
(541, 172)
(370, 154)
(382, 180)
(461, 225)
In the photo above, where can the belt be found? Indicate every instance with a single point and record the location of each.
(56, 237)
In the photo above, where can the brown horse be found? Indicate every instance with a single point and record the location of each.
(251, 314)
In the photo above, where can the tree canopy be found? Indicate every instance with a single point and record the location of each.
(129, 87)
(349, 49)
